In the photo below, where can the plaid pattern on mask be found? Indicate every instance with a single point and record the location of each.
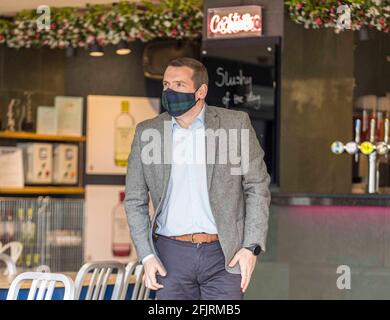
(177, 103)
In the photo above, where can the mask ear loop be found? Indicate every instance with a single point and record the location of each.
(196, 101)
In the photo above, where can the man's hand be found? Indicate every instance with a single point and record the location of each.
(151, 267)
(247, 262)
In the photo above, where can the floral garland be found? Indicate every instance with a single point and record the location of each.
(105, 24)
(323, 13)
(179, 19)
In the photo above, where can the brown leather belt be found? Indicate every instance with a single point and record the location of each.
(197, 237)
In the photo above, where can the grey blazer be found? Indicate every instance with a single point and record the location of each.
(239, 203)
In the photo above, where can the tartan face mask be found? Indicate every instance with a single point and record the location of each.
(176, 103)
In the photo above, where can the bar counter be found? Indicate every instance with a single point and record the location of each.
(318, 199)
(311, 235)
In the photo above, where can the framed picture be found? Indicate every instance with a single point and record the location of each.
(111, 122)
(69, 112)
(46, 120)
(107, 234)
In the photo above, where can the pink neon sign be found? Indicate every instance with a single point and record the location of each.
(234, 22)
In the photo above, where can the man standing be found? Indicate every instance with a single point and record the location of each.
(210, 223)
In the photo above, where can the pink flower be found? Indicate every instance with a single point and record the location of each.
(53, 26)
(381, 21)
(174, 33)
(318, 21)
(299, 6)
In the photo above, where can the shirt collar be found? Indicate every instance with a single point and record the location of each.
(199, 119)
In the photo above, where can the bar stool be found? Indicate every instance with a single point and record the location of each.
(140, 292)
(98, 282)
(42, 286)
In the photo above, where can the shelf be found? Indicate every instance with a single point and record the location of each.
(43, 190)
(38, 136)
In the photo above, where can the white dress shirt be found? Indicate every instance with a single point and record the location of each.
(186, 208)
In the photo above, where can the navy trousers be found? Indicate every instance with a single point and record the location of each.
(195, 272)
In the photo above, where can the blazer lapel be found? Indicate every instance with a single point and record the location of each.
(166, 149)
(211, 122)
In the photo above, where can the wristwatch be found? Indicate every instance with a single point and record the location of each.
(255, 249)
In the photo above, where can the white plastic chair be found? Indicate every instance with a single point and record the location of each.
(98, 283)
(42, 286)
(11, 267)
(15, 249)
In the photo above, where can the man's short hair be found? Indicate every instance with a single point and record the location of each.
(200, 75)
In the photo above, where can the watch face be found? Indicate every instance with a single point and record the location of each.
(257, 250)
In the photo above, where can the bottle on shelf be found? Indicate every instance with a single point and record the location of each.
(27, 124)
(121, 243)
(29, 231)
(2, 225)
(11, 118)
(20, 113)
(20, 237)
(9, 228)
(124, 133)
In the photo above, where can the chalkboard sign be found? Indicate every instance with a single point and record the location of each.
(243, 76)
(238, 84)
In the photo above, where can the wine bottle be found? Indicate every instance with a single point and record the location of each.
(124, 133)
(121, 245)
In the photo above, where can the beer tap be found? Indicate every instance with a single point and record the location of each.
(372, 174)
(369, 148)
(358, 127)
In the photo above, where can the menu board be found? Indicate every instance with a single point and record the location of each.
(238, 84)
(243, 76)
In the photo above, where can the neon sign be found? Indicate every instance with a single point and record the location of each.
(234, 22)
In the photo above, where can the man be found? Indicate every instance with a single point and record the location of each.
(209, 224)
